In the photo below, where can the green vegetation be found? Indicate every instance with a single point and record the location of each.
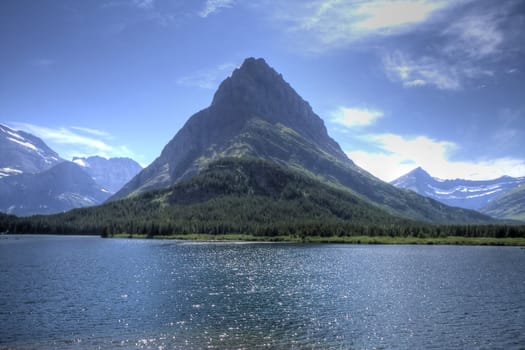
(246, 199)
(444, 240)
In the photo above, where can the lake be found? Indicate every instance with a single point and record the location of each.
(64, 292)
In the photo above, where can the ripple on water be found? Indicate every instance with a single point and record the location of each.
(136, 294)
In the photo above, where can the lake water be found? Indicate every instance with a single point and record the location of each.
(88, 293)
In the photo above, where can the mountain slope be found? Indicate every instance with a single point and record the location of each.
(63, 187)
(467, 194)
(231, 195)
(255, 113)
(112, 173)
(23, 153)
(510, 205)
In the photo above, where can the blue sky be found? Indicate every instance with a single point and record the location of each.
(432, 83)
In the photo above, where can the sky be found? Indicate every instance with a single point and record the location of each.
(399, 83)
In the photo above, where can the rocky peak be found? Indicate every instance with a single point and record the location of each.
(420, 172)
(256, 90)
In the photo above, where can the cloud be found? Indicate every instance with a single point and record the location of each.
(330, 24)
(476, 36)
(398, 155)
(76, 141)
(421, 72)
(355, 117)
(212, 6)
(94, 132)
(207, 78)
(437, 72)
(144, 4)
(473, 44)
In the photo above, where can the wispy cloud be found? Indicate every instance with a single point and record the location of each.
(355, 117)
(470, 47)
(144, 4)
(212, 6)
(420, 72)
(76, 141)
(476, 36)
(94, 132)
(438, 72)
(328, 24)
(207, 78)
(399, 154)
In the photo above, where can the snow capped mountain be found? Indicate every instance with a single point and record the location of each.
(35, 180)
(111, 173)
(467, 194)
(21, 152)
(63, 187)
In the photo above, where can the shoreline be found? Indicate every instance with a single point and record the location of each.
(448, 240)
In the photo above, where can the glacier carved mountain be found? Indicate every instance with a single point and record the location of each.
(469, 194)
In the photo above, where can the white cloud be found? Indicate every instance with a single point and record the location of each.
(355, 117)
(440, 73)
(475, 36)
(212, 6)
(381, 15)
(337, 23)
(94, 132)
(398, 155)
(207, 78)
(76, 141)
(144, 4)
(420, 72)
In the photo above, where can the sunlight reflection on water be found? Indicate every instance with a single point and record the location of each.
(86, 292)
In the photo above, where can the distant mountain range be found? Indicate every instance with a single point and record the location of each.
(501, 198)
(35, 180)
(112, 173)
(60, 188)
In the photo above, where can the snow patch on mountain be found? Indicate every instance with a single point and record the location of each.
(24, 143)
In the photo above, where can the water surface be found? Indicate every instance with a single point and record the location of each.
(86, 292)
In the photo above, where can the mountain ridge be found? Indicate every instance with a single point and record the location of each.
(469, 194)
(60, 188)
(110, 173)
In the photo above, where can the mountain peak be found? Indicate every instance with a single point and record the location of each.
(254, 112)
(249, 81)
(256, 90)
(420, 172)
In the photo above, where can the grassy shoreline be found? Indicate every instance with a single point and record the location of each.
(449, 240)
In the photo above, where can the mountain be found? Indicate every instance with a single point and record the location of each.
(23, 153)
(112, 173)
(61, 188)
(510, 205)
(256, 114)
(252, 111)
(467, 194)
(232, 195)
